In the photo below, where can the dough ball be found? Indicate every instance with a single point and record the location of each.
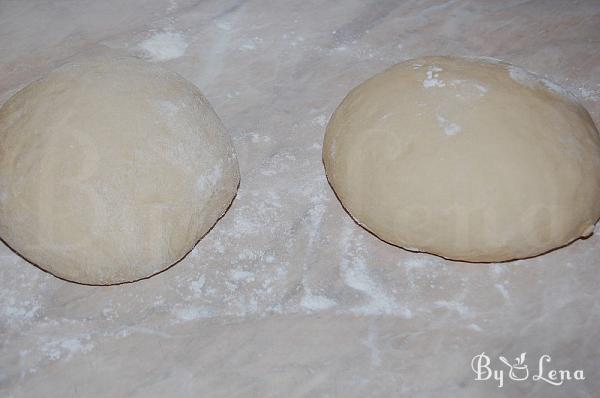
(111, 169)
(470, 159)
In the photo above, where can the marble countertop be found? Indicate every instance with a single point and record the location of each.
(287, 296)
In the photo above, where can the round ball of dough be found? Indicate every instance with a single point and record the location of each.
(470, 159)
(111, 169)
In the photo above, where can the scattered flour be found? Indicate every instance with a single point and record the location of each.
(257, 138)
(532, 80)
(172, 6)
(209, 182)
(164, 46)
(371, 344)
(498, 269)
(278, 163)
(432, 78)
(19, 311)
(355, 273)
(190, 313)
(455, 306)
(223, 25)
(502, 289)
(481, 89)
(315, 216)
(244, 276)
(416, 262)
(250, 44)
(313, 302)
(448, 127)
(320, 120)
(589, 94)
(67, 348)
(197, 285)
(475, 327)
(168, 108)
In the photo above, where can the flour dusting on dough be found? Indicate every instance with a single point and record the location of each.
(448, 127)
(210, 180)
(432, 78)
(168, 107)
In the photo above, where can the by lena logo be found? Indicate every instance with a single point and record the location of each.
(519, 370)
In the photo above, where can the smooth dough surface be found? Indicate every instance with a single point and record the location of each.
(471, 159)
(111, 169)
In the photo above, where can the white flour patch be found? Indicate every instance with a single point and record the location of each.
(172, 6)
(502, 289)
(447, 126)
(278, 163)
(168, 108)
(210, 180)
(67, 348)
(164, 46)
(129, 330)
(489, 60)
(243, 276)
(432, 78)
(197, 285)
(296, 40)
(19, 311)
(187, 314)
(520, 75)
(589, 94)
(223, 25)
(371, 344)
(483, 89)
(109, 313)
(257, 138)
(550, 85)
(313, 302)
(318, 200)
(532, 80)
(480, 88)
(320, 120)
(457, 307)
(250, 44)
(475, 327)
(247, 254)
(333, 149)
(412, 263)
(497, 269)
(315, 216)
(356, 275)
